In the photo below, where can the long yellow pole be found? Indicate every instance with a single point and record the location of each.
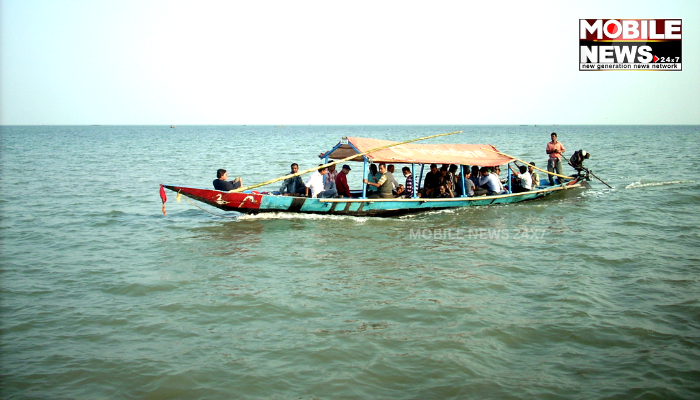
(517, 159)
(339, 161)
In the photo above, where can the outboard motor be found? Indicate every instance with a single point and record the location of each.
(576, 161)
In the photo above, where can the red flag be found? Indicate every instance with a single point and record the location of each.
(163, 197)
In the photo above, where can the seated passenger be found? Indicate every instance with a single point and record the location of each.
(390, 174)
(399, 191)
(383, 185)
(315, 183)
(445, 178)
(475, 175)
(524, 180)
(468, 183)
(329, 178)
(220, 183)
(408, 189)
(535, 176)
(444, 192)
(293, 186)
(373, 177)
(341, 182)
(431, 181)
(490, 182)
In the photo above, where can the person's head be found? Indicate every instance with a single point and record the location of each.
(496, 170)
(475, 170)
(373, 169)
(442, 189)
(433, 168)
(331, 168)
(323, 171)
(295, 168)
(346, 169)
(221, 174)
(554, 136)
(400, 187)
(390, 168)
(530, 169)
(443, 170)
(484, 171)
(453, 168)
(523, 169)
(406, 171)
(467, 173)
(382, 168)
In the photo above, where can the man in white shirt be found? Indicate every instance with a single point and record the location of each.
(315, 183)
(524, 178)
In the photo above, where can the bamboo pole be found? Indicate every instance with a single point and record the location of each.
(528, 164)
(339, 161)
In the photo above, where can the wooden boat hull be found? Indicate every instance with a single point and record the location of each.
(253, 203)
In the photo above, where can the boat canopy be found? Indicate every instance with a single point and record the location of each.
(466, 154)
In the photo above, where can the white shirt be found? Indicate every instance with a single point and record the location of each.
(525, 180)
(315, 183)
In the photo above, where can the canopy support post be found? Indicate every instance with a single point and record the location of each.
(464, 184)
(510, 181)
(364, 176)
(420, 178)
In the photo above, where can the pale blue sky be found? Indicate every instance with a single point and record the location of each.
(329, 62)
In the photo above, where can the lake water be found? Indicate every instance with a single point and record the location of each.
(586, 294)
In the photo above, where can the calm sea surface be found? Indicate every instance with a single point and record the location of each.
(586, 294)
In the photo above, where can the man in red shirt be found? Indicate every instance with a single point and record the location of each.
(341, 182)
(555, 150)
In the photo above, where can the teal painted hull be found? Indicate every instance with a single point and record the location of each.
(253, 203)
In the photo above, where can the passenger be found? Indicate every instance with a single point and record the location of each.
(390, 173)
(293, 186)
(383, 185)
(444, 192)
(315, 183)
(468, 183)
(490, 183)
(431, 181)
(329, 181)
(341, 182)
(220, 183)
(555, 150)
(497, 173)
(524, 180)
(408, 189)
(372, 177)
(399, 191)
(475, 176)
(445, 178)
(452, 172)
(535, 176)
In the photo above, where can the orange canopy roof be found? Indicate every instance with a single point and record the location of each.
(469, 154)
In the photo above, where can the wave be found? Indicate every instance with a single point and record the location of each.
(640, 184)
(285, 215)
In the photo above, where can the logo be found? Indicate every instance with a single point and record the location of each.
(630, 44)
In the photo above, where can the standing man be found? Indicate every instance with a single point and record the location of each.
(555, 150)
(341, 182)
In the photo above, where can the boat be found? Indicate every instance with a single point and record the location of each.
(254, 202)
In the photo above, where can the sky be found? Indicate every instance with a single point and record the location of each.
(149, 62)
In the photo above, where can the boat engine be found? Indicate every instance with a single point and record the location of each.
(576, 161)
